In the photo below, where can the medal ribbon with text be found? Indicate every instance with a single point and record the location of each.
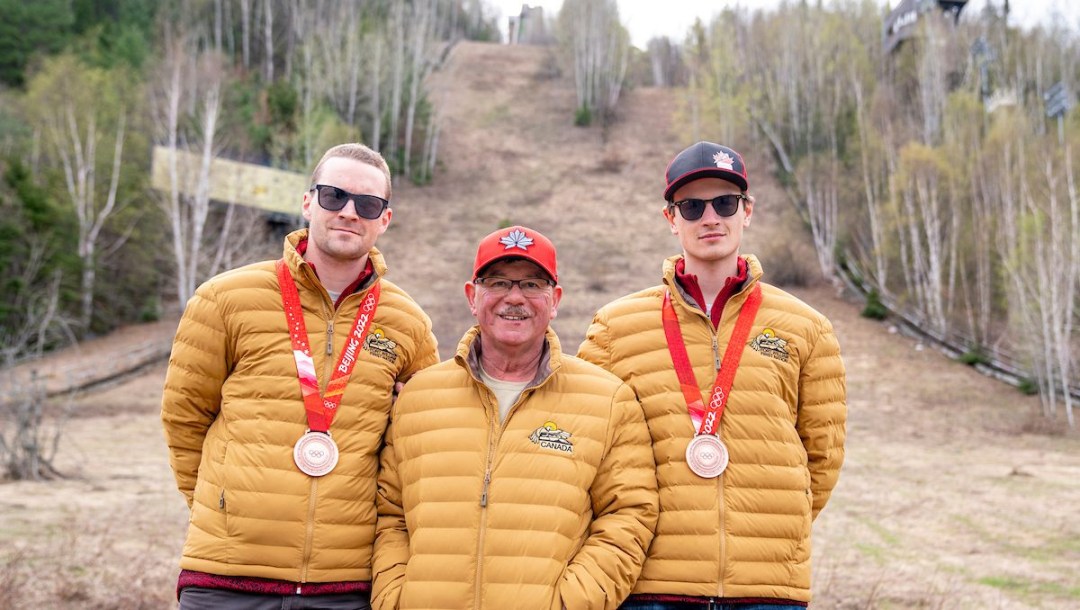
(707, 418)
(322, 408)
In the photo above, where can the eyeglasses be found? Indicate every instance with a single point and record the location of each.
(724, 205)
(530, 286)
(334, 199)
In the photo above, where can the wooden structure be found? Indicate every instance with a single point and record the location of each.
(273, 190)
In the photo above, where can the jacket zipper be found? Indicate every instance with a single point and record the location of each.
(309, 534)
(721, 563)
(492, 441)
(721, 567)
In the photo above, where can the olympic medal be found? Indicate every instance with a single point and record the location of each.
(315, 453)
(707, 456)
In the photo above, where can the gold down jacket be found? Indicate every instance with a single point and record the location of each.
(745, 534)
(553, 507)
(232, 411)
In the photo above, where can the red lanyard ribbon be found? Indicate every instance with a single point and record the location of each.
(707, 419)
(321, 409)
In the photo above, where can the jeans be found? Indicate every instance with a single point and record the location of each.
(199, 598)
(705, 605)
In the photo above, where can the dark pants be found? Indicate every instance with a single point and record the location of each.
(199, 598)
(704, 605)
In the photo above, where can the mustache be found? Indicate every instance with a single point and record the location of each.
(515, 310)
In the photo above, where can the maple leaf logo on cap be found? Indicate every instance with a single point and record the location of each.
(516, 239)
(724, 160)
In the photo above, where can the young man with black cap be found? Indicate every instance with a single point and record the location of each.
(513, 476)
(744, 393)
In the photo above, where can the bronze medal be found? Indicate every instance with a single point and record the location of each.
(315, 453)
(707, 456)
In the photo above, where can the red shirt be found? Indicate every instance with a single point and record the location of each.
(731, 286)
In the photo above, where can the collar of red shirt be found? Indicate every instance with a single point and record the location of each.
(689, 283)
(365, 275)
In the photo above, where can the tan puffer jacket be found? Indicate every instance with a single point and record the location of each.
(232, 411)
(553, 507)
(745, 534)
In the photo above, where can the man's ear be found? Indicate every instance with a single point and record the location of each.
(470, 295)
(669, 214)
(305, 206)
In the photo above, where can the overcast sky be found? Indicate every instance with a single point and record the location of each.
(648, 18)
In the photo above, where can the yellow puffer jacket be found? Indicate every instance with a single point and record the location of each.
(553, 507)
(232, 411)
(745, 534)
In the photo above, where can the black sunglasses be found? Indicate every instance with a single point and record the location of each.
(334, 199)
(724, 205)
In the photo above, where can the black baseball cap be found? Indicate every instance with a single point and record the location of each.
(705, 160)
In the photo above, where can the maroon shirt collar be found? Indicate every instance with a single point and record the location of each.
(365, 275)
(689, 283)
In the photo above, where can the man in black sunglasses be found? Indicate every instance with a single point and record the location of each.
(276, 399)
(744, 394)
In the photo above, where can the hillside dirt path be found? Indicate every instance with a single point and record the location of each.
(950, 496)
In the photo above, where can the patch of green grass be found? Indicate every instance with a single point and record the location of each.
(889, 538)
(873, 552)
(1028, 587)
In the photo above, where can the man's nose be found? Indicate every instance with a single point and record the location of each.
(349, 209)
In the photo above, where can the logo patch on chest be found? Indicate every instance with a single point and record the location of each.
(768, 344)
(377, 344)
(549, 436)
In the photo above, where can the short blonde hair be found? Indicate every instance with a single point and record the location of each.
(357, 152)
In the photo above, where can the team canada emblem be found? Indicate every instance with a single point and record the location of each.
(768, 344)
(516, 239)
(724, 160)
(549, 436)
(378, 344)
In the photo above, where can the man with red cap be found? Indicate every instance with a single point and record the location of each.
(744, 394)
(513, 475)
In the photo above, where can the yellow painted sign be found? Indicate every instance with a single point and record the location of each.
(247, 184)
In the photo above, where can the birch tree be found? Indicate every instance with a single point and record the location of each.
(187, 103)
(82, 113)
(597, 46)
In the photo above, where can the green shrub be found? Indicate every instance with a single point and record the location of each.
(973, 356)
(1028, 386)
(583, 117)
(874, 309)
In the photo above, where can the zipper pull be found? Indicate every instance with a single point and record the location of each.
(330, 338)
(716, 352)
(487, 481)
(221, 502)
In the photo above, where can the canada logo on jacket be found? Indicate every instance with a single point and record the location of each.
(769, 344)
(549, 436)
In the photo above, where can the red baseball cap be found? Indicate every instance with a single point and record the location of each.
(705, 160)
(516, 242)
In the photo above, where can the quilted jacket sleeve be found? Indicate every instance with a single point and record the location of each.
(192, 396)
(822, 413)
(426, 355)
(595, 348)
(625, 508)
(391, 534)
